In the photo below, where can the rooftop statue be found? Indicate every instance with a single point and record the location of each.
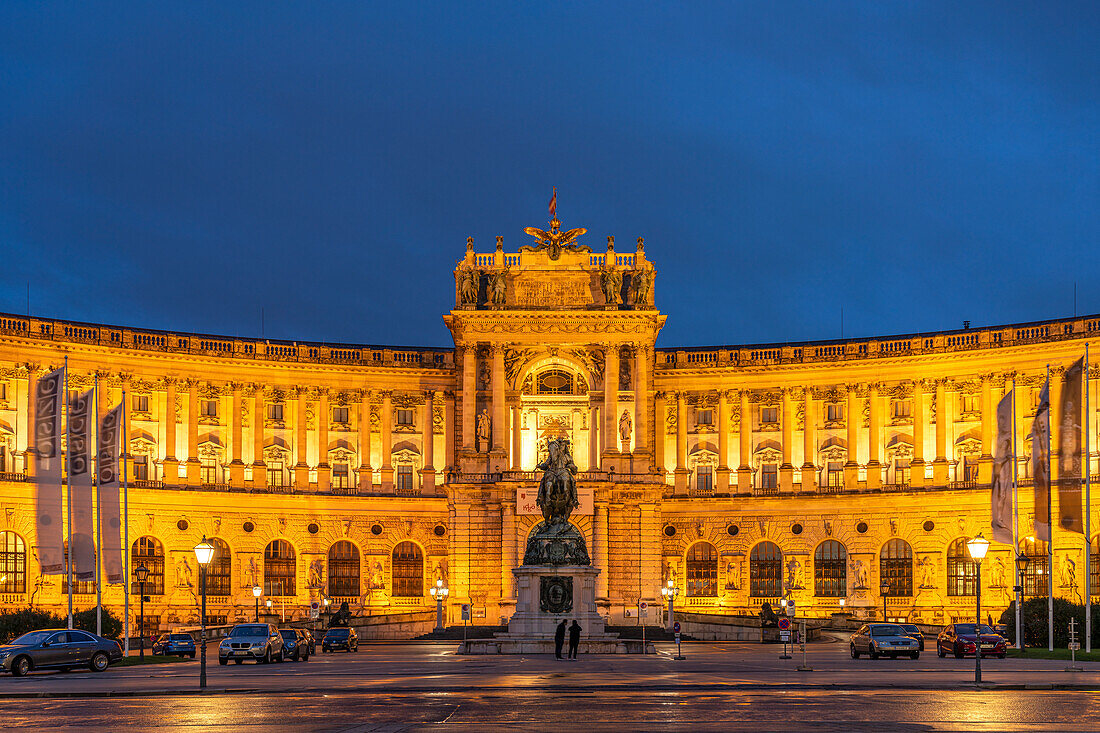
(555, 240)
(554, 540)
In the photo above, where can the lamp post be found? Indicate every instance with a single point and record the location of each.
(978, 547)
(257, 591)
(267, 602)
(204, 553)
(141, 573)
(1021, 566)
(670, 591)
(439, 592)
(885, 588)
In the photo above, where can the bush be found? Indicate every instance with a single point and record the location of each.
(1035, 621)
(17, 623)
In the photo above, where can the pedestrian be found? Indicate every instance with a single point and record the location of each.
(574, 638)
(559, 639)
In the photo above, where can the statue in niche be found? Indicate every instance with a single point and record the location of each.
(377, 580)
(317, 573)
(497, 285)
(927, 565)
(641, 283)
(611, 282)
(733, 574)
(794, 574)
(625, 427)
(1069, 572)
(484, 427)
(183, 573)
(251, 574)
(859, 574)
(997, 573)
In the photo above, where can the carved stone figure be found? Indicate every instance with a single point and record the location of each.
(497, 285)
(625, 426)
(555, 541)
(1069, 572)
(342, 617)
(484, 428)
(555, 240)
(183, 573)
(767, 616)
(377, 580)
(641, 283)
(794, 574)
(317, 573)
(467, 284)
(251, 574)
(927, 565)
(859, 574)
(997, 573)
(611, 283)
(733, 575)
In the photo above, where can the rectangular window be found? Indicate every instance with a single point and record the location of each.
(970, 403)
(901, 471)
(340, 414)
(275, 412)
(769, 414)
(903, 408)
(208, 408)
(769, 476)
(275, 474)
(340, 475)
(834, 412)
(970, 469)
(3, 390)
(141, 403)
(704, 417)
(404, 417)
(834, 476)
(404, 478)
(208, 471)
(3, 459)
(704, 478)
(141, 468)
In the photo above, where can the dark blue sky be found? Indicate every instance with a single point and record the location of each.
(181, 165)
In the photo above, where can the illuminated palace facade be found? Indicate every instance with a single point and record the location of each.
(820, 471)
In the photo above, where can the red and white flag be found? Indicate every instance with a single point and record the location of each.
(48, 392)
(554, 204)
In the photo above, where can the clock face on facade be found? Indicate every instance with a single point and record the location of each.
(556, 594)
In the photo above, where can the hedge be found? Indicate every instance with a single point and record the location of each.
(17, 623)
(1035, 621)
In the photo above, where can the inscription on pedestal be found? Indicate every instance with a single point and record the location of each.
(556, 594)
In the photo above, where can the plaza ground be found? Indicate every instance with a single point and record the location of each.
(416, 686)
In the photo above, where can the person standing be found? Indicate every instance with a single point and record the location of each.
(574, 638)
(559, 639)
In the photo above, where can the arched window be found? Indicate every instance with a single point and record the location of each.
(219, 573)
(831, 570)
(85, 587)
(554, 381)
(147, 551)
(896, 567)
(1034, 579)
(13, 563)
(766, 571)
(962, 572)
(343, 570)
(408, 571)
(702, 570)
(279, 569)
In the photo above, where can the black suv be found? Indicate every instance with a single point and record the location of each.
(340, 638)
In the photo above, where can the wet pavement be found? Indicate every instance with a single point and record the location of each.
(416, 686)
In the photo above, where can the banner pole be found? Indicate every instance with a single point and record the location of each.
(1016, 524)
(98, 524)
(69, 490)
(1088, 510)
(1050, 531)
(125, 530)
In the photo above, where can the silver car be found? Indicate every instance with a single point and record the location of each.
(877, 640)
(261, 642)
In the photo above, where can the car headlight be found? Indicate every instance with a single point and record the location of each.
(224, 644)
(4, 655)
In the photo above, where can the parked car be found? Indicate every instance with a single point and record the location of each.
(340, 638)
(294, 645)
(175, 645)
(310, 639)
(58, 649)
(883, 639)
(261, 642)
(914, 631)
(962, 639)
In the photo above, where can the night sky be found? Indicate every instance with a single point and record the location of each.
(183, 166)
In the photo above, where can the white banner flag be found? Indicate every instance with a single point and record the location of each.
(1040, 464)
(82, 534)
(1002, 474)
(110, 532)
(48, 393)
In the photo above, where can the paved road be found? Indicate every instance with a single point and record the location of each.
(417, 686)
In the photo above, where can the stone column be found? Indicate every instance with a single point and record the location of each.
(660, 425)
(236, 465)
(874, 440)
(599, 548)
(989, 421)
(499, 432)
(171, 466)
(786, 468)
(854, 418)
(324, 470)
(593, 438)
(301, 467)
(683, 473)
(366, 473)
(939, 465)
(508, 546)
(610, 405)
(387, 441)
(427, 450)
(192, 433)
(744, 468)
(469, 396)
(517, 437)
(722, 475)
(809, 441)
(259, 466)
(449, 429)
(641, 401)
(916, 466)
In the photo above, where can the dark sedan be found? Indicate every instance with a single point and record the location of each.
(172, 645)
(962, 640)
(294, 645)
(914, 631)
(340, 638)
(58, 649)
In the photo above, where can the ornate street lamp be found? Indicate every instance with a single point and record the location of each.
(1022, 561)
(439, 592)
(670, 592)
(885, 588)
(978, 547)
(257, 591)
(204, 553)
(141, 573)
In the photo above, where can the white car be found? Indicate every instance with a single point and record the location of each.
(878, 640)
